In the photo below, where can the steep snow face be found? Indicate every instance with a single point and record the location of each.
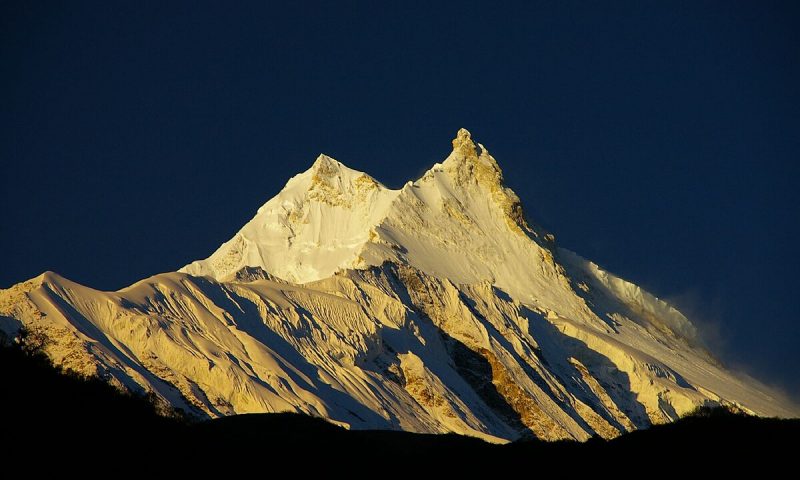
(461, 223)
(433, 308)
(312, 228)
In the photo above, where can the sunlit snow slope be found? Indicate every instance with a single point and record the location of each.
(433, 308)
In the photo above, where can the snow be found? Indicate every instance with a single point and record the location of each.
(433, 308)
(315, 226)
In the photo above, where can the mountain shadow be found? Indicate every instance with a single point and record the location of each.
(556, 348)
(477, 371)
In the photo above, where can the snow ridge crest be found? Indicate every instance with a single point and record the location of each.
(331, 217)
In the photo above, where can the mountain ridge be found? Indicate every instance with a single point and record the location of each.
(336, 187)
(433, 308)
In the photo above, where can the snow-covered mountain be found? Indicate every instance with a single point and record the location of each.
(433, 308)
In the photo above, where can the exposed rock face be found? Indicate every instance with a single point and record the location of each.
(433, 308)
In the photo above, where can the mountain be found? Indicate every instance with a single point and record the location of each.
(433, 308)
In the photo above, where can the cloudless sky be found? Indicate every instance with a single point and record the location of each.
(659, 139)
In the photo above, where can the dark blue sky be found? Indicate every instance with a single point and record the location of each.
(659, 139)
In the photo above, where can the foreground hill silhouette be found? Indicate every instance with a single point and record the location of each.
(64, 414)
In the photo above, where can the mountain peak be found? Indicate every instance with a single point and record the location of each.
(464, 146)
(326, 166)
(471, 162)
(333, 182)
